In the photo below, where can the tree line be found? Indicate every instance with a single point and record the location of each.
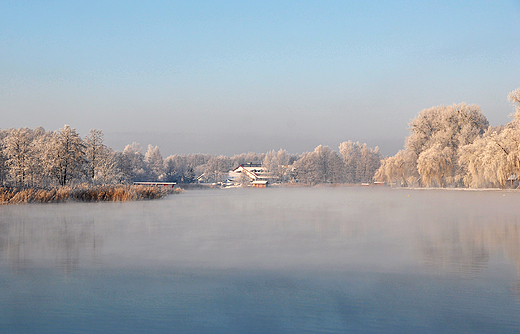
(448, 146)
(40, 158)
(454, 146)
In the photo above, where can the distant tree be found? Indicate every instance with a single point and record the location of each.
(107, 170)
(277, 163)
(351, 155)
(305, 169)
(18, 149)
(65, 155)
(4, 170)
(244, 158)
(323, 165)
(181, 168)
(395, 170)
(217, 168)
(361, 162)
(169, 168)
(133, 164)
(40, 166)
(154, 160)
(96, 154)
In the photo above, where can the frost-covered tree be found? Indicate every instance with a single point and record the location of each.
(154, 161)
(41, 147)
(133, 164)
(244, 158)
(514, 97)
(217, 168)
(444, 127)
(107, 170)
(486, 161)
(4, 170)
(19, 152)
(96, 154)
(305, 169)
(394, 170)
(65, 155)
(181, 168)
(435, 166)
(278, 164)
(432, 149)
(169, 169)
(323, 165)
(494, 158)
(361, 162)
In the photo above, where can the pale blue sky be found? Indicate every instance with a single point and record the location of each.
(227, 77)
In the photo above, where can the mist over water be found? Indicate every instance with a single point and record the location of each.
(290, 260)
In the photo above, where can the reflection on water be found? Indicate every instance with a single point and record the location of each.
(25, 242)
(466, 246)
(266, 260)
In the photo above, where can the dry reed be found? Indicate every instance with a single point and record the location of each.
(82, 193)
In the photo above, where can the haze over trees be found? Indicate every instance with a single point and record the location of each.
(40, 158)
(448, 146)
(454, 146)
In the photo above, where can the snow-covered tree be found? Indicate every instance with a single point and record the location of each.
(95, 152)
(277, 163)
(41, 147)
(154, 161)
(494, 158)
(169, 168)
(132, 163)
(323, 165)
(107, 170)
(65, 155)
(437, 134)
(244, 158)
(217, 168)
(18, 149)
(4, 170)
(514, 97)
(395, 170)
(361, 162)
(435, 166)
(181, 168)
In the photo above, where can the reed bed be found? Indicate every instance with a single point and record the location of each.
(82, 193)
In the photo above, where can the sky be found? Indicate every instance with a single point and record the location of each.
(226, 77)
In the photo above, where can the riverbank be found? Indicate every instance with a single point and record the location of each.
(82, 193)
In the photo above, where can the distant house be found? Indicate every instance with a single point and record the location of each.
(254, 172)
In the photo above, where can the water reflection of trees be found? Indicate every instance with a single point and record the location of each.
(25, 243)
(465, 246)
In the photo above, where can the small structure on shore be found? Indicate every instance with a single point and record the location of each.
(156, 184)
(259, 184)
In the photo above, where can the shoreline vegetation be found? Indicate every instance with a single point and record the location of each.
(82, 193)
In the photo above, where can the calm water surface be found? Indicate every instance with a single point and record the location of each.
(278, 260)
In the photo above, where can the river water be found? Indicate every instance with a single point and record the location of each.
(275, 260)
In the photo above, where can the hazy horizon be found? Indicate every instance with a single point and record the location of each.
(231, 77)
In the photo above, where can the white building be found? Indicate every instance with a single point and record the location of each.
(252, 171)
